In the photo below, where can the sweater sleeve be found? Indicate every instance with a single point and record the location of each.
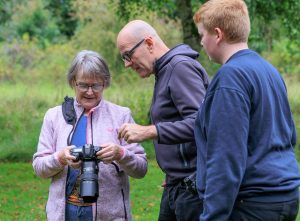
(45, 161)
(134, 161)
(187, 89)
(227, 120)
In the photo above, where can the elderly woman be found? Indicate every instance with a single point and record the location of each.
(97, 123)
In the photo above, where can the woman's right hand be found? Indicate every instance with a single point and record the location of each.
(66, 158)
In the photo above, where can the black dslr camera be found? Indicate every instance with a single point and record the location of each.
(89, 171)
(190, 183)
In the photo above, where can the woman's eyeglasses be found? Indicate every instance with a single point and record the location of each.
(85, 87)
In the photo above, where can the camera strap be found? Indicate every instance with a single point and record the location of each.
(69, 111)
(69, 114)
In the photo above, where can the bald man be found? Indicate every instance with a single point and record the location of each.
(180, 85)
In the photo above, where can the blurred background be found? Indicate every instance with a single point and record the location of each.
(38, 40)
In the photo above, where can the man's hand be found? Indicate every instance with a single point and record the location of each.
(110, 152)
(134, 133)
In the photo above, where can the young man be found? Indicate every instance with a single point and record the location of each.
(244, 131)
(180, 85)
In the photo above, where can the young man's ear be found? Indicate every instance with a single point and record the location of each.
(219, 35)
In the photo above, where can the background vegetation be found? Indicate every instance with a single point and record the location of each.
(39, 38)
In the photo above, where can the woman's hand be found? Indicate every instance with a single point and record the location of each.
(65, 158)
(110, 152)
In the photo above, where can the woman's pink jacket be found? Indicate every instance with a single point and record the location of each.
(113, 197)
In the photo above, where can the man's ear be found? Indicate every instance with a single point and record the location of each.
(149, 42)
(219, 35)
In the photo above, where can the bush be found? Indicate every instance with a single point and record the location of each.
(285, 56)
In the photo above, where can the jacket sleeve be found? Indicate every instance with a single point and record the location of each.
(227, 127)
(187, 87)
(45, 161)
(134, 161)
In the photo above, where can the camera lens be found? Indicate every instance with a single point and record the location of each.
(89, 182)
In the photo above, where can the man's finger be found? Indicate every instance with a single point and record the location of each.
(122, 131)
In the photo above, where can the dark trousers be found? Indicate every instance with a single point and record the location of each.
(178, 204)
(256, 211)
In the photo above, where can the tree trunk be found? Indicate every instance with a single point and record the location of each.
(190, 32)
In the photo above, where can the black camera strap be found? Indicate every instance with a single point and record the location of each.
(69, 114)
(68, 110)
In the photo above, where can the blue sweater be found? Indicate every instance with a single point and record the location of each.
(245, 135)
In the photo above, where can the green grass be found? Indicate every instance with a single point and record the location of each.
(23, 195)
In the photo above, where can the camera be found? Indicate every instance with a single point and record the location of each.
(89, 171)
(190, 183)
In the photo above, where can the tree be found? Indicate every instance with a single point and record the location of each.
(36, 23)
(65, 15)
(7, 9)
(267, 17)
(273, 19)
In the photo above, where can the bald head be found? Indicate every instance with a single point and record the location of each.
(140, 46)
(136, 30)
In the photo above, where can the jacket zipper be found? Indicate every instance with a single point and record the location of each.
(181, 151)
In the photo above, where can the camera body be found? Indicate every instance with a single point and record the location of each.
(190, 183)
(85, 152)
(89, 171)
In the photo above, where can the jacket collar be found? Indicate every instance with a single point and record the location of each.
(79, 109)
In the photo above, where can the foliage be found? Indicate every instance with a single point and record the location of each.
(36, 23)
(285, 57)
(7, 10)
(285, 11)
(65, 15)
(18, 57)
(97, 31)
(267, 17)
(46, 21)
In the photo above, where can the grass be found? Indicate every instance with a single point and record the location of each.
(24, 195)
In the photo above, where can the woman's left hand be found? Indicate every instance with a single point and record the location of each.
(110, 152)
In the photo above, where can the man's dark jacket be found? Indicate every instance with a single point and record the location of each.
(180, 86)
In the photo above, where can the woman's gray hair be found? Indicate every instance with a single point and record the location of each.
(90, 64)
